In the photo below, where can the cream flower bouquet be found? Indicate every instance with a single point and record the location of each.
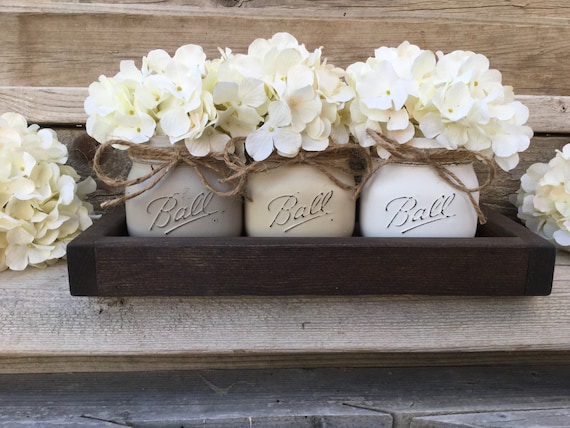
(281, 98)
(288, 108)
(167, 96)
(42, 200)
(164, 114)
(543, 199)
(436, 100)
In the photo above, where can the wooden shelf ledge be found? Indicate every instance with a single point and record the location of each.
(423, 397)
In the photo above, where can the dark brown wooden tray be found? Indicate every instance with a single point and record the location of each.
(504, 258)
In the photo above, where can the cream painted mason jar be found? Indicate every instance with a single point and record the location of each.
(411, 200)
(180, 205)
(300, 201)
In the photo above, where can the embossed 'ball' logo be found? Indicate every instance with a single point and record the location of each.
(290, 213)
(171, 212)
(406, 214)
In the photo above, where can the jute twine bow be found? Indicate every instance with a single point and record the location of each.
(163, 160)
(350, 159)
(437, 159)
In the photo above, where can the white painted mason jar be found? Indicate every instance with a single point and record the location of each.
(180, 205)
(299, 201)
(412, 200)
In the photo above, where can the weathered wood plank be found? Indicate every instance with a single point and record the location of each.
(548, 114)
(483, 10)
(70, 44)
(243, 360)
(163, 415)
(46, 105)
(291, 397)
(550, 418)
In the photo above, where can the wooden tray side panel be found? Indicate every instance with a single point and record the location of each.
(319, 268)
(505, 259)
(81, 253)
(82, 268)
(541, 253)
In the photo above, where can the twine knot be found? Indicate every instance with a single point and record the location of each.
(350, 159)
(163, 160)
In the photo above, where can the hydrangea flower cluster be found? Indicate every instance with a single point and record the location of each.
(167, 96)
(543, 199)
(281, 97)
(41, 199)
(437, 100)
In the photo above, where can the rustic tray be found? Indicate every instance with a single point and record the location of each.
(504, 258)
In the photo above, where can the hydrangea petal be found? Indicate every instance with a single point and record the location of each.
(192, 56)
(226, 92)
(508, 163)
(17, 257)
(20, 236)
(252, 92)
(287, 142)
(431, 125)
(259, 144)
(175, 122)
(505, 145)
(313, 145)
(562, 238)
(279, 114)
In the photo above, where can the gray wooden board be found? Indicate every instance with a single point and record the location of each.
(279, 397)
(162, 415)
(552, 418)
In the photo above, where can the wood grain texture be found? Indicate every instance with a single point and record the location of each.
(154, 416)
(334, 397)
(548, 418)
(240, 360)
(506, 259)
(57, 44)
(548, 12)
(46, 105)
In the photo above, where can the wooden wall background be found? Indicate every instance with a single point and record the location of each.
(52, 49)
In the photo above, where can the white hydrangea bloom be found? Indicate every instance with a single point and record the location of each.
(543, 199)
(454, 99)
(167, 96)
(282, 98)
(386, 87)
(42, 204)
